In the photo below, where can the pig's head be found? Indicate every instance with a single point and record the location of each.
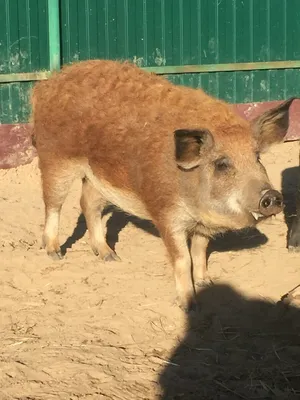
(224, 184)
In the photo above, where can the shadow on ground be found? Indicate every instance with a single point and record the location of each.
(230, 241)
(236, 348)
(117, 221)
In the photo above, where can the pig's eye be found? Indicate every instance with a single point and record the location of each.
(222, 164)
(257, 157)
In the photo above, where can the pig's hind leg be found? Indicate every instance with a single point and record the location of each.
(57, 178)
(92, 205)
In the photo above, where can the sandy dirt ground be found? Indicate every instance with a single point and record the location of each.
(81, 329)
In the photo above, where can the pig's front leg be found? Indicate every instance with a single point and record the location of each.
(199, 257)
(177, 246)
(294, 238)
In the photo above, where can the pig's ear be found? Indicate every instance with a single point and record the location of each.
(190, 144)
(271, 126)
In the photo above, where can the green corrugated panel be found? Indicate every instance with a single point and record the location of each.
(14, 100)
(244, 87)
(185, 32)
(176, 32)
(158, 33)
(23, 48)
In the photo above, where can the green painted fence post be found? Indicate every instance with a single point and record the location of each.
(54, 34)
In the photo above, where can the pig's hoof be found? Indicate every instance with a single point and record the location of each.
(294, 249)
(187, 307)
(294, 239)
(112, 256)
(294, 243)
(107, 256)
(190, 309)
(55, 255)
(204, 283)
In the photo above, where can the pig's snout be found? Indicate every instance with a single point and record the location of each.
(271, 203)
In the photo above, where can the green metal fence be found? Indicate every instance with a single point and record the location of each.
(29, 48)
(239, 50)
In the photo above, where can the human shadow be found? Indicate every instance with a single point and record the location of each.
(236, 348)
(290, 179)
(231, 241)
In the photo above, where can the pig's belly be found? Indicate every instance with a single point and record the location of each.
(125, 200)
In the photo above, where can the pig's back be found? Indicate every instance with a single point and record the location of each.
(95, 103)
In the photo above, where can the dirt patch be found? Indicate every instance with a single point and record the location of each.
(80, 329)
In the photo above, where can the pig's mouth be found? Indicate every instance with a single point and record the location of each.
(257, 215)
(260, 217)
(270, 204)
